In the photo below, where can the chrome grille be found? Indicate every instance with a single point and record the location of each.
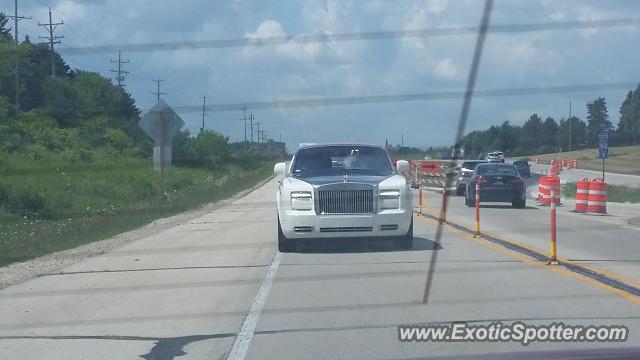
(345, 201)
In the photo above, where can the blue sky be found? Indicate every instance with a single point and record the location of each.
(358, 68)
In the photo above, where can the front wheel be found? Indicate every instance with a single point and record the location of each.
(519, 204)
(405, 242)
(285, 245)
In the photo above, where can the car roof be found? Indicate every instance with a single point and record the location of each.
(494, 164)
(306, 146)
(314, 146)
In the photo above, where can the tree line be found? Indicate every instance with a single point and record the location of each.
(538, 136)
(79, 112)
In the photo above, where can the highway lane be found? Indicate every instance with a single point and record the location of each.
(604, 242)
(186, 293)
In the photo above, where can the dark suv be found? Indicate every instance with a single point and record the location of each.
(523, 167)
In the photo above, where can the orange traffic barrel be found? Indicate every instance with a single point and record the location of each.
(537, 160)
(597, 200)
(564, 163)
(575, 164)
(582, 195)
(547, 183)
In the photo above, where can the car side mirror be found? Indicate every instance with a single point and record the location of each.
(402, 166)
(280, 169)
(458, 168)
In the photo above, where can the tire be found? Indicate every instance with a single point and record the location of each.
(519, 204)
(285, 245)
(405, 242)
(471, 202)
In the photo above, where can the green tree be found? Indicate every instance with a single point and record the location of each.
(530, 137)
(60, 101)
(597, 120)
(549, 131)
(577, 128)
(5, 32)
(628, 131)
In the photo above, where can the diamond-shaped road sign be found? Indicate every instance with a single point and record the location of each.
(161, 123)
(151, 123)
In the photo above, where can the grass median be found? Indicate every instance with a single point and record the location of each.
(622, 159)
(615, 193)
(49, 205)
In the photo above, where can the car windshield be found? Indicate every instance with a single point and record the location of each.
(491, 170)
(341, 160)
(471, 165)
(520, 163)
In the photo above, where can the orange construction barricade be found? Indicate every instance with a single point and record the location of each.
(582, 195)
(597, 201)
(544, 190)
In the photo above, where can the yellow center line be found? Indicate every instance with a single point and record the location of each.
(527, 260)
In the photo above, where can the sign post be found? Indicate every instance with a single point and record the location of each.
(603, 148)
(161, 123)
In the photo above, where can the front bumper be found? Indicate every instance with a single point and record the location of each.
(307, 224)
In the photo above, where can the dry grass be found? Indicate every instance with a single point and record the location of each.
(622, 159)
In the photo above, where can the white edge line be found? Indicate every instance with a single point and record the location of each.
(243, 339)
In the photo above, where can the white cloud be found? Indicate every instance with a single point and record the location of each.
(445, 68)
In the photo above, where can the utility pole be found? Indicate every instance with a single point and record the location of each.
(158, 93)
(258, 125)
(244, 109)
(17, 18)
(119, 70)
(251, 119)
(570, 125)
(204, 109)
(51, 26)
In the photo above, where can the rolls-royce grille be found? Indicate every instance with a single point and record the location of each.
(345, 202)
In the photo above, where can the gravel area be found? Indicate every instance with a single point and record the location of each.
(52, 263)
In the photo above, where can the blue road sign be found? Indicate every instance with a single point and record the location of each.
(603, 137)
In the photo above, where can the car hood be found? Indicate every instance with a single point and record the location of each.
(361, 179)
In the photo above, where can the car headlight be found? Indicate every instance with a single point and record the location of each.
(389, 199)
(301, 200)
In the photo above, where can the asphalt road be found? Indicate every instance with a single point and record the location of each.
(215, 288)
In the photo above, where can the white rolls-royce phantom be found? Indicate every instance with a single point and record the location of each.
(339, 191)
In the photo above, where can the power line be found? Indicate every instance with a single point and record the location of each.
(16, 18)
(426, 96)
(251, 120)
(120, 77)
(258, 131)
(53, 39)
(158, 93)
(204, 108)
(244, 110)
(357, 36)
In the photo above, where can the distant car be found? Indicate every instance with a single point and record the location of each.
(495, 156)
(464, 174)
(340, 191)
(523, 166)
(498, 183)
